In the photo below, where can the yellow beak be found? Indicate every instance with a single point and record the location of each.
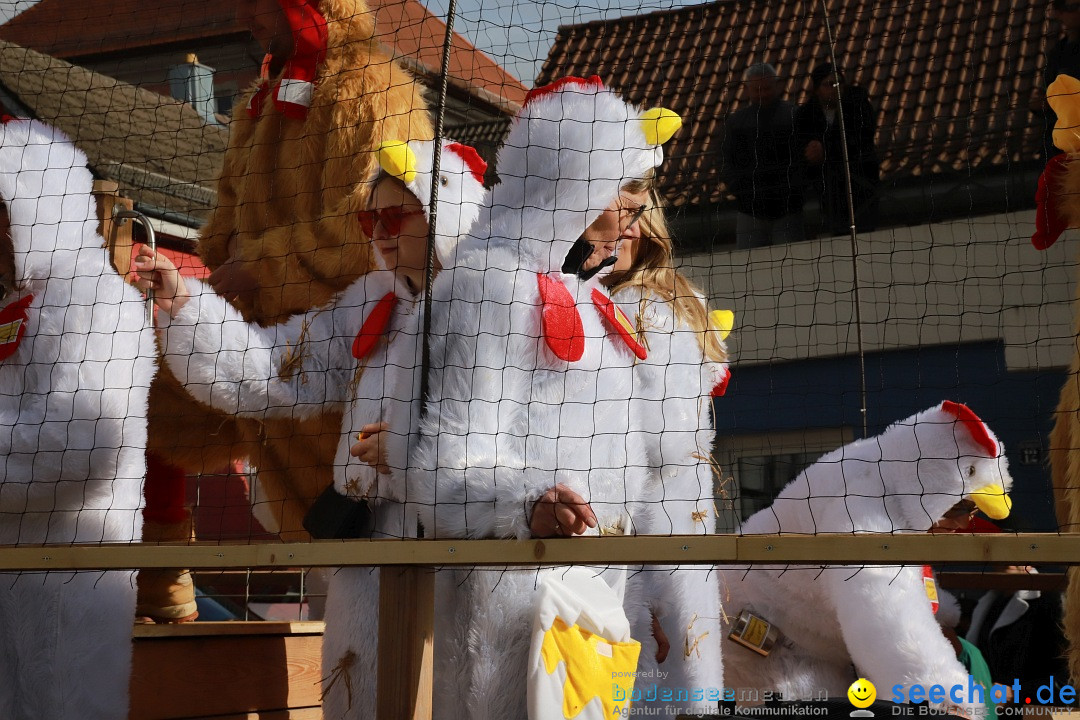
(659, 125)
(722, 321)
(1064, 97)
(397, 159)
(993, 501)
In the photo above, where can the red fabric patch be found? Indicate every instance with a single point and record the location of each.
(374, 327)
(930, 586)
(13, 319)
(1049, 221)
(472, 159)
(978, 430)
(618, 322)
(309, 36)
(537, 93)
(560, 323)
(721, 387)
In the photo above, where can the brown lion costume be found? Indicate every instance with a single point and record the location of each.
(1057, 210)
(300, 150)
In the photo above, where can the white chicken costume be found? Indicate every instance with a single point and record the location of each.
(77, 360)
(361, 352)
(879, 619)
(672, 399)
(531, 378)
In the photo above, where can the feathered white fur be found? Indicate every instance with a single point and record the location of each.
(508, 419)
(297, 368)
(875, 618)
(73, 401)
(672, 421)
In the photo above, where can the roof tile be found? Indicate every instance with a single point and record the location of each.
(950, 80)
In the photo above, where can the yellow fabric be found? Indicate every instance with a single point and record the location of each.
(398, 160)
(993, 501)
(660, 124)
(1064, 97)
(723, 321)
(593, 666)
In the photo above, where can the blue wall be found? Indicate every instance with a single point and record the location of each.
(825, 393)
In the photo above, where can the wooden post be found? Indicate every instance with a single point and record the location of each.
(118, 238)
(406, 643)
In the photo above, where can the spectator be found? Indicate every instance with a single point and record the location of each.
(762, 163)
(822, 140)
(1063, 59)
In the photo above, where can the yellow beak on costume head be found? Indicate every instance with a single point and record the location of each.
(993, 501)
(659, 125)
(1064, 97)
(723, 321)
(397, 159)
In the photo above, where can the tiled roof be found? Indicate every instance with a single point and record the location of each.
(74, 29)
(950, 79)
(159, 150)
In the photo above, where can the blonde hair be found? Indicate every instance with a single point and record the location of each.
(653, 269)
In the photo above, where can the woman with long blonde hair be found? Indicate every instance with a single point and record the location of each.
(687, 361)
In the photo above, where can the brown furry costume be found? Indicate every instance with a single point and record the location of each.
(287, 200)
(1058, 209)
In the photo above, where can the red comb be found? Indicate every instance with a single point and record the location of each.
(537, 93)
(472, 158)
(976, 427)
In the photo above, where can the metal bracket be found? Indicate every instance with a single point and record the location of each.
(122, 214)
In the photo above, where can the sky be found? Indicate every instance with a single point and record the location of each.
(516, 33)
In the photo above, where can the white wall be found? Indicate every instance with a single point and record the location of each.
(961, 281)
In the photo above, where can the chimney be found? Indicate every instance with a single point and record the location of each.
(193, 83)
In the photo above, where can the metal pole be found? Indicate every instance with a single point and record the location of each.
(855, 288)
(121, 215)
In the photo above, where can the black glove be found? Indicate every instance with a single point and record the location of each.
(577, 256)
(336, 517)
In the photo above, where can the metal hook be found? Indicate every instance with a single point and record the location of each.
(121, 214)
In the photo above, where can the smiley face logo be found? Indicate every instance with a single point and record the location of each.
(862, 693)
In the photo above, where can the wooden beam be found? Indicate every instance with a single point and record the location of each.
(991, 549)
(185, 672)
(118, 238)
(406, 643)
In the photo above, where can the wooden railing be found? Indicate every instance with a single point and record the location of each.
(407, 580)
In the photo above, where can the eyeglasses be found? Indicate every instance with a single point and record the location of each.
(635, 214)
(390, 218)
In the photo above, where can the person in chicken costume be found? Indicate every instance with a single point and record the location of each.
(361, 353)
(526, 426)
(76, 361)
(283, 239)
(1058, 209)
(839, 623)
(674, 386)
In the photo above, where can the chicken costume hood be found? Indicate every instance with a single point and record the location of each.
(878, 619)
(76, 361)
(570, 150)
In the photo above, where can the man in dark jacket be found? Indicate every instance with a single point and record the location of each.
(762, 164)
(823, 147)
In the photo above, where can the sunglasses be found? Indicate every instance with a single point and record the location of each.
(390, 218)
(635, 214)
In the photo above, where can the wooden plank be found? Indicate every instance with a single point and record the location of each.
(232, 628)
(406, 643)
(118, 238)
(206, 676)
(1019, 549)
(313, 713)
